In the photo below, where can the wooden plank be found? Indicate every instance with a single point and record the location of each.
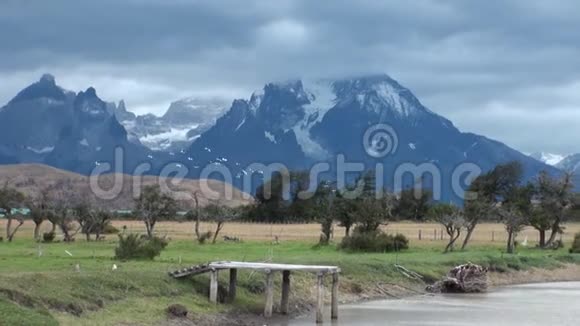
(320, 298)
(213, 286)
(334, 297)
(269, 294)
(285, 292)
(233, 285)
(273, 267)
(190, 271)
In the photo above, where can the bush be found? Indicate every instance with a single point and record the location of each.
(134, 246)
(110, 229)
(375, 241)
(576, 244)
(48, 236)
(176, 311)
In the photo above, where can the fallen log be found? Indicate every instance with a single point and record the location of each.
(467, 278)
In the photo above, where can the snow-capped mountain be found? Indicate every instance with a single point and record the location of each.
(47, 124)
(570, 163)
(30, 123)
(298, 123)
(183, 122)
(548, 158)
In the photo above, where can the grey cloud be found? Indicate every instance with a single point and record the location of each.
(486, 65)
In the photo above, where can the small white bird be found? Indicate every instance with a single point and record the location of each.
(78, 268)
(114, 267)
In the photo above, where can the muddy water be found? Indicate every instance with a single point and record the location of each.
(535, 304)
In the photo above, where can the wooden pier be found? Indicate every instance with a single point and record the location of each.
(270, 270)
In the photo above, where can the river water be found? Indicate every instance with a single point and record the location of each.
(535, 304)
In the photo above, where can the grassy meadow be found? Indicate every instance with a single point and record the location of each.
(40, 283)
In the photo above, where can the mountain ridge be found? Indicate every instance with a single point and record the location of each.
(297, 123)
(291, 120)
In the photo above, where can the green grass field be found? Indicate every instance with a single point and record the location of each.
(39, 284)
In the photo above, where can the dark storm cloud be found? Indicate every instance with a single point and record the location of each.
(493, 67)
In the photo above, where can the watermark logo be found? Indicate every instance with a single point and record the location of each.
(380, 140)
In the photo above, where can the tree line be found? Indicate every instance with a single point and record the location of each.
(500, 195)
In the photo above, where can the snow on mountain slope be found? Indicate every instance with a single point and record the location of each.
(183, 122)
(321, 98)
(548, 158)
(302, 122)
(570, 163)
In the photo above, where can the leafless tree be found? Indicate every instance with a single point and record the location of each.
(514, 221)
(40, 210)
(153, 205)
(10, 199)
(63, 198)
(475, 210)
(220, 214)
(196, 215)
(555, 201)
(453, 220)
(91, 219)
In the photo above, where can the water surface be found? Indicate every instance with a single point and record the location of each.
(534, 304)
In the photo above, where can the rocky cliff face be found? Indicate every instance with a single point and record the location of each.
(46, 124)
(183, 122)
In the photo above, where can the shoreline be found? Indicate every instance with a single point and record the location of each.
(394, 291)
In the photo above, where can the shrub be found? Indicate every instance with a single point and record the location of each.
(576, 244)
(133, 246)
(375, 241)
(176, 311)
(48, 236)
(110, 229)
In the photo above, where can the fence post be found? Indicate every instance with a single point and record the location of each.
(419, 234)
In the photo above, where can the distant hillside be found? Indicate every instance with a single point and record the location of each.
(31, 178)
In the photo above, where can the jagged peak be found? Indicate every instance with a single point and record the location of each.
(91, 92)
(48, 79)
(44, 88)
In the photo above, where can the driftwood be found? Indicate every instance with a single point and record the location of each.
(468, 278)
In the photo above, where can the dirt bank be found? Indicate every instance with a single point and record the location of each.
(566, 273)
(381, 291)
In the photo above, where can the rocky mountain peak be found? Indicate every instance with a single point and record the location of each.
(44, 88)
(47, 79)
(90, 106)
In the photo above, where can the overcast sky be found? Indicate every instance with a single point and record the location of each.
(509, 70)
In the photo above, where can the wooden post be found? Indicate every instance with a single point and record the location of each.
(285, 292)
(213, 286)
(233, 284)
(334, 307)
(419, 234)
(492, 236)
(435, 234)
(320, 298)
(269, 294)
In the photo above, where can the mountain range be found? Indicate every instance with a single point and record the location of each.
(570, 163)
(183, 122)
(297, 123)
